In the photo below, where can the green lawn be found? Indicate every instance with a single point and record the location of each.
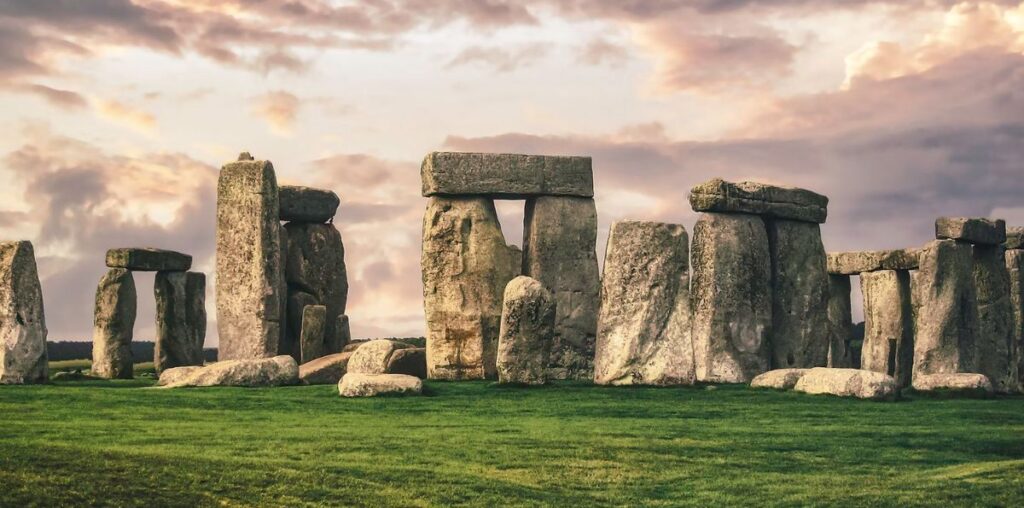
(117, 443)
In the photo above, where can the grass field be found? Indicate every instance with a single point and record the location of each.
(118, 443)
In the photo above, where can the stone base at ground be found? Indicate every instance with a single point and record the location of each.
(779, 379)
(368, 385)
(326, 370)
(961, 382)
(176, 375)
(276, 371)
(861, 384)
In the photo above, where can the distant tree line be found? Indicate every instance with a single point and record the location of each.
(142, 351)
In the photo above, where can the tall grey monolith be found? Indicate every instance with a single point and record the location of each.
(316, 265)
(840, 319)
(22, 319)
(799, 338)
(888, 324)
(113, 325)
(995, 342)
(1015, 267)
(945, 310)
(527, 332)
(175, 342)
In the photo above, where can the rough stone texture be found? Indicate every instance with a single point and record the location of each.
(372, 385)
(962, 382)
(297, 303)
(996, 351)
(945, 310)
(343, 332)
(248, 261)
(853, 263)
(374, 356)
(316, 265)
(22, 320)
(799, 338)
(312, 336)
(326, 370)
(177, 374)
(644, 329)
(466, 265)
(113, 325)
(276, 371)
(731, 297)
(1015, 267)
(516, 260)
(195, 310)
(560, 251)
(971, 230)
(176, 344)
(527, 332)
(287, 343)
(502, 175)
(888, 325)
(148, 260)
(779, 379)
(862, 384)
(306, 204)
(840, 322)
(1014, 238)
(409, 361)
(718, 195)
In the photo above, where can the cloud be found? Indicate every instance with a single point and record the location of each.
(501, 59)
(65, 99)
(279, 108)
(127, 115)
(601, 51)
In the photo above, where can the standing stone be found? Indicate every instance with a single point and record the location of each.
(316, 264)
(314, 324)
(731, 297)
(466, 266)
(527, 332)
(297, 303)
(1015, 267)
(195, 310)
(799, 338)
(114, 325)
(840, 321)
(344, 332)
(516, 258)
(995, 342)
(560, 251)
(248, 261)
(644, 329)
(175, 339)
(22, 320)
(945, 310)
(888, 325)
(286, 342)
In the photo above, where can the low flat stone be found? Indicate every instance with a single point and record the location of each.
(276, 371)
(861, 384)
(77, 375)
(717, 195)
(368, 385)
(853, 263)
(176, 374)
(505, 175)
(326, 370)
(1014, 238)
(143, 259)
(410, 361)
(971, 230)
(779, 379)
(306, 204)
(374, 356)
(956, 382)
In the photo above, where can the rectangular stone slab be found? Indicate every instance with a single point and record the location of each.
(144, 259)
(853, 263)
(945, 310)
(1014, 238)
(996, 337)
(971, 230)
(505, 175)
(840, 319)
(113, 325)
(888, 325)
(307, 204)
(718, 195)
(1015, 268)
(800, 328)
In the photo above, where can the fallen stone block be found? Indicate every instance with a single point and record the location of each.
(410, 361)
(971, 230)
(176, 374)
(503, 175)
(779, 379)
(967, 383)
(113, 325)
(306, 204)
(326, 370)
(854, 263)
(22, 320)
(142, 259)
(861, 384)
(527, 332)
(373, 357)
(277, 371)
(369, 385)
(718, 195)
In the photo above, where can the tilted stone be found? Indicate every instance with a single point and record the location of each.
(945, 310)
(861, 384)
(276, 371)
(560, 251)
(527, 332)
(779, 379)
(854, 263)
(176, 340)
(718, 195)
(306, 204)
(644, 328)
(888, 325)
(114, 324)
(1015, 267)
(22, 320)
(148, 260)
(316, 264)
(971, 230)
(371, 385)
(961, 382)
(374, 356)
(326, 370)
(466, 265)
(731, 297)
(800, 327)
(409, 361)
(503, 175)
(995, 341)
(1014, 238)
(311, 338)
(840, 322)
(297, 303)
(248, 261)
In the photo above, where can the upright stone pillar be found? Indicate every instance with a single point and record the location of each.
(316, 265)
(800, 327)
(286, 345)
(314, 325)
(559, 250)
(945, 310)
(113, 325)
(195, 311)
(466, 266)
(22, 321)
(527, 332)
(996, 348)
(840, 319)
(1015, 267)
(888, 324)
(175, 331)
(248, 260)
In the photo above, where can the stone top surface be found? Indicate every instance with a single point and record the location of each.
(307, 204)
(717, 195)
(505, 175)
(971, 230)
(1014, 238)
(145, 259)
(853, 263)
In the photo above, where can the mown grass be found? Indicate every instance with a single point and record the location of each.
(120, 444)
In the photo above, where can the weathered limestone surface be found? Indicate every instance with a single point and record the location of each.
(1014, 238)
(306, 204)
(409, 361)
(888, 324)
(248, 261)
(22, 320)
(297, 303)
(731, 297)
(971, 230)
(177, 374)
(962, 382)
(148, 260)
(374, 356)
(560, 251)
(840, 322)
(718, 195)
(371, 385)
(853, 263)
(945, 310)
(276, 371)
(996, 353)
(312, 336)
(326, 370)
(113, 325)
(1015, 267)
(516, 259)
(800, 326)
(466, 265)
(176, 338)
(316, 265)
(195, 310)
(343, 332)
(862, 384)
(501, 175)
(287, 343)
(644, 328)
(779, 379)
(527, 332)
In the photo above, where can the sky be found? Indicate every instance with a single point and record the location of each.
(118, 114)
